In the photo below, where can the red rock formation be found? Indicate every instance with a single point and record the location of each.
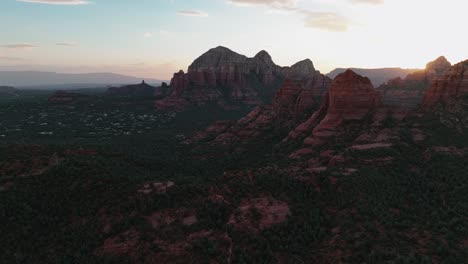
(223, 76)
(409, 92)
(179, 83)
(293, 103)
(350, 97)
(452, 84)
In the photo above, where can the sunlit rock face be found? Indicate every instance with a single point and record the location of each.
(453, 83)
(409, 92)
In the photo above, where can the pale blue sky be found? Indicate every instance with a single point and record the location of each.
(154, 38)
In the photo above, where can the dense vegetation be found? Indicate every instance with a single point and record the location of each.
(62, 200)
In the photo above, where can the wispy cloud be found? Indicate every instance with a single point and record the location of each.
(193, 13)
(283, 4)
(148, 35)
(375, 2)
(326, 21)
(56, 2)
(67, 44)
(18, 46)
(329, 21)
(138, 64)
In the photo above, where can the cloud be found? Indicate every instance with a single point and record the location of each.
(282, 4)
(56, 2)
(148, 35)
(66, 44)
(374, 2)
(193, 13)
(138, 64)
(326, 21)
(6, 58)
(18, 46)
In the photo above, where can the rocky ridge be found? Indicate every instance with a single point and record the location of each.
(222, 76)
(350, 97)
(453, 83)
(408, 92)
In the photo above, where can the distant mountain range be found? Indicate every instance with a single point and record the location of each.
(53, 80)
(377, 76)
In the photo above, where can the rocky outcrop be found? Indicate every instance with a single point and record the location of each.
(141, 89)
(224, 77)
(293, 103)
(408, 92)
(350, 97)
(453, 83)
(377, 76)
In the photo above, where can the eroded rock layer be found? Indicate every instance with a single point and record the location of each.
(408, 92)
(453, 83)
(222, 76)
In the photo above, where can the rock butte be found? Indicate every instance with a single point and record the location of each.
(453, 83)
(408, 92)
(293, 103)
(350, 97)
(224, 77)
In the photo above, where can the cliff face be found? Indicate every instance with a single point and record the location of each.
(453, 83)
(223, 77)
(293, 103)
(350, 97)
(408, 92)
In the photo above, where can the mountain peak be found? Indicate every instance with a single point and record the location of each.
(349, 76)
(306, 64)
(220, 49)
(216, 57)
(438, 66)
(303, 68)
(263, 56)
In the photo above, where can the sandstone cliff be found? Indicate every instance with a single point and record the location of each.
(350, 97)
(408, 92)
(453, 83)
(224, 77)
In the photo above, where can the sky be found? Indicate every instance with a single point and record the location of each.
(155, 38)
